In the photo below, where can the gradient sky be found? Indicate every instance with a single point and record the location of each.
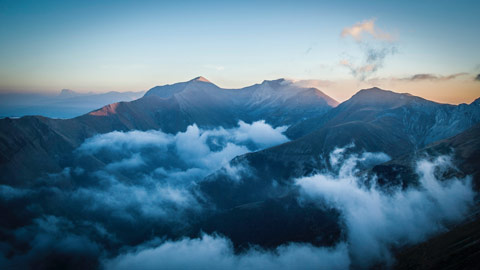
(134, 45)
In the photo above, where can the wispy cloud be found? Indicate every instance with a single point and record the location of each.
(320, 84)
(374, 49)
(215, 67)
(433, 77)
(365, 28)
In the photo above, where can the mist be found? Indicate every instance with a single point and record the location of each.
(216, 252)
(123, 189)
(138, 206)
(377, 220)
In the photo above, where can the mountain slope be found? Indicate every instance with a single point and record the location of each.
(242, 208)
(38, 144)
(373, 120)
(418, 120)
(464, 148)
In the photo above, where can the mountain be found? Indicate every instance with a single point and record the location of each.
(33, 145)
(279, 102)
(458, 247)
(373, 120)
(172, 108)
(121, 191)
(266, 196)
(417, 120)
(67, 93)
(464, 149)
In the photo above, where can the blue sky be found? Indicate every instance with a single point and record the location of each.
(134, 45)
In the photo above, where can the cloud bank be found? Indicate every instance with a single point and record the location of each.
(215, 252)
(136, 207)
(124, 189)
(376, 220)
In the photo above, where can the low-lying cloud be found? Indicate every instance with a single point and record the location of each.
(150, 172)
(130, 202)
(215, 252)
(377, 220)
(123, 189)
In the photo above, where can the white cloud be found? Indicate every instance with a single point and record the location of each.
(366, 27)
(117, 140)
(215, 252)
(374, 49)
(260, 133)
(150, 172)
(376, 220)
(128, 163)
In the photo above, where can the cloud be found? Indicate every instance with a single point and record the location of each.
(314, 83)
(432, 77)
(215, 67)
(374, 51)
(308, 50)
(374, 58)
(146, 199)
(359, 30)
(137, 205)
(260, 133)
(128, 163)
(53, 238)
(215, 252)
(117, 140)
(148, 173)
(194, 147)
(122, 189)
(377, 220)
(10, 193)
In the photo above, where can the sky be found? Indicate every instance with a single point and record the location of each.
(427, 48)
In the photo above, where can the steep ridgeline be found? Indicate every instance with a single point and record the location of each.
(373, 120)
(33, 145)
(279, 102)
(463, 148)
(417, 120)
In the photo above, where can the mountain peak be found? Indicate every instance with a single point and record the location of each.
(67, 93)
(380, 97)
(378, 92)
(277, 81)
(200, 79)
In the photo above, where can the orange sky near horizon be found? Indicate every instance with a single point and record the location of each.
(442, 91)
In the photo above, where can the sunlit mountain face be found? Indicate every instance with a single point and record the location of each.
(365, 154)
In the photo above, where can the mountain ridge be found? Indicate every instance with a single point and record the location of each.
(208, 107)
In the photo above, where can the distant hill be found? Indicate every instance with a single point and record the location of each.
(67, 104)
